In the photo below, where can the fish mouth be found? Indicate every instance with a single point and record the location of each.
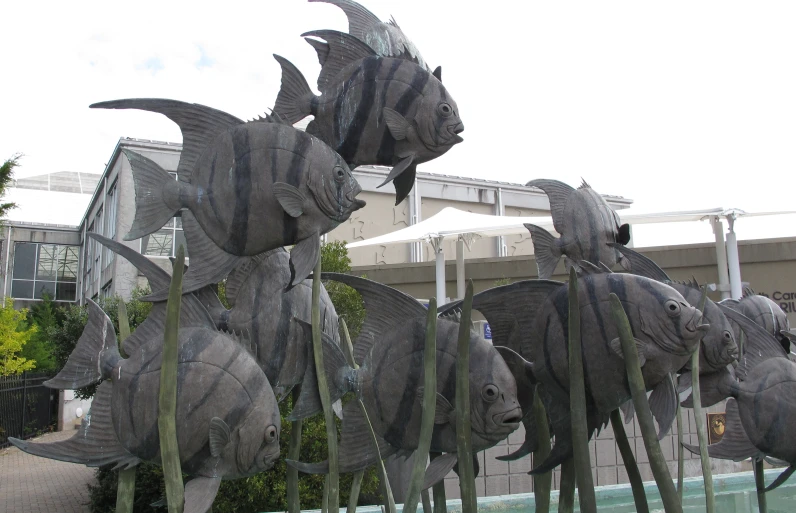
(508, 419)
(356, 204)
(696, 325)
(454, 131)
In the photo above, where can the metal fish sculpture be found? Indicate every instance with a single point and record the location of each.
(227, 419)
(265, 312)
(390, 379)
(530, 318)
(762, 411)
(386, 39)
(765, 313)
(586, 224)
(250, 187)
(372, 110)
(718, 348)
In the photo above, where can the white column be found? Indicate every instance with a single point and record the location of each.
(440, 274)
(721, 257)
(415, 216)
(499, 211)
(733, 262)
(460, 268)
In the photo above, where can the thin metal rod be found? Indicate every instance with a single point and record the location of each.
(125, 490)
(633, 475)
(760, 485)
(429, 408)
(577, 404)
(566, 491)
(699, 420)
(463, 430)
(541, 482)
(639, 392)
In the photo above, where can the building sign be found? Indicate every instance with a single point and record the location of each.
(716, 425)
(487, 331)
(785, 300)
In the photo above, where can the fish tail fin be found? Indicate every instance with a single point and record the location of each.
(545, 250)
(734, 445)
(95, 355)
(156, 196)
(341, 377)
(209, 263)
(294, 100)
(94, 445)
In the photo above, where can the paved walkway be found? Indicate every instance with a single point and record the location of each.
(29, 484)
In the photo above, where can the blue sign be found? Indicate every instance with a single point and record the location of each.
(487, 331)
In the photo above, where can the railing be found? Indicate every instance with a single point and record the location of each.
(27, 407)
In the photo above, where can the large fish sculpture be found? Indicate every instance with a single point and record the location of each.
(764, 312)
(530, 318)
(587, 225)
(386, 39)
(719, 347)
(261, 316)
(227, 418)
(263, 311)
(762, 410)
(372, 110)
(250, 187)
(390, 380)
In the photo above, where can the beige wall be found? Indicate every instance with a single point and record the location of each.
(769, 266)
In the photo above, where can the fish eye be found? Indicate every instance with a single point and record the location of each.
(270, 434)
(672, 308)
(339, 173)
(489, 393)
(445, 110)
(727, 336)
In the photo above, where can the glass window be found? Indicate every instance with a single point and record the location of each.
(24, 260)
(55, 273)
(165, 241)
(111, 206)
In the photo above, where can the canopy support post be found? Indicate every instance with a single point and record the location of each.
(500, 210)
(436, 243)
(460, 268)
(733, 261)
(721, 257)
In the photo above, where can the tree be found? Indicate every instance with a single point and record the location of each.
(14, 334)
(6, 176)
(347, 301)
(40, 348)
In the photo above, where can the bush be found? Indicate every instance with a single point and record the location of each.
(14, 335)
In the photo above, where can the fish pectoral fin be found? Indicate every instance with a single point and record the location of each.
(628, 410)
(200, 493)
(397, 124)
(290, 198)
(444, 410)
(219, 436)
(616, 347)
(663, 405)
(439, 468)
(303, 258)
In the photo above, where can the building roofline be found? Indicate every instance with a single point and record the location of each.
(41, 226)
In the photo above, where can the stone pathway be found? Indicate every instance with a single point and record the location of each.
(29, 484)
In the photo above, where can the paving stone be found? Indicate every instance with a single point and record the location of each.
(29, 484)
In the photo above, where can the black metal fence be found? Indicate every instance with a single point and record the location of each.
(27, 407)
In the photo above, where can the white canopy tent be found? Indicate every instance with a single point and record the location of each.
(451, 223)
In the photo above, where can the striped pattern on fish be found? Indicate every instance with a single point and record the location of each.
(251, 187)
(372, 110)
(586, 224)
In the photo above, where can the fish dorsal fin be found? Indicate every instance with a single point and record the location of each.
(641, 265)
(344, 49)
(199, 124)
(583, 184)
(691, 283)
(510, 309)
(157, 277)
(219, 436)
(385, 308)
(238, 277)
(585, 268)
(748, 292)
(557, 192)
(272, 117)
(360, 20)
(321, 50)
(438, 73)
(760, 344)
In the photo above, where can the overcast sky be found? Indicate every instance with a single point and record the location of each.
(677, 105)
